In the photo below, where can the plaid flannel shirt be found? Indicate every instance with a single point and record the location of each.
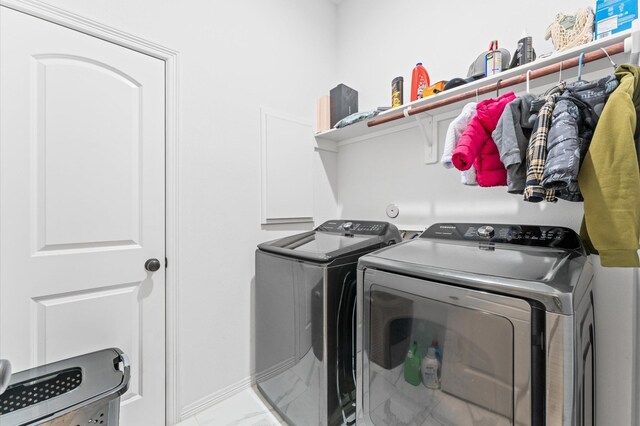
(537, 150)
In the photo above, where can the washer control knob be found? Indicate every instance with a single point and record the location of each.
(347, 225)
(486, 231)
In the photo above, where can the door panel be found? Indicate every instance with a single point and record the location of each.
(89, 330)
(81, 203)
(85, 158)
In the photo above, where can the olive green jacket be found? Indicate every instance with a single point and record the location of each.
(610, 177)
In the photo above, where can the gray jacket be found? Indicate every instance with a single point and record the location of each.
(563, 150)
(574, 119)
(512, 138)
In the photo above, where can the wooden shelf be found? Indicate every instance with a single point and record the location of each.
(450, 100)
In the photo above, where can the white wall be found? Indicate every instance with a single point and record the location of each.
(380, 40)
(235, 57)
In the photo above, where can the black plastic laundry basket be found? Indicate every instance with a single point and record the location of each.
(80, 391)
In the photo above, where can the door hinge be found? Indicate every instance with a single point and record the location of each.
(166, 262)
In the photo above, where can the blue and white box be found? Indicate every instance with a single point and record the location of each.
(614, 16)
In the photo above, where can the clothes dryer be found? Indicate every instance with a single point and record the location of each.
(500, 316)
(304, 319)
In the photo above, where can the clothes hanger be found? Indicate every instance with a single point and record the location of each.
(560, 74)
(498, 88)
(580, 59)
(528, 74)
(477, 100)
(610, 60)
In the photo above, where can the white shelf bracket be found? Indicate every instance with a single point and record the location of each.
(425, 124)
(632, 43)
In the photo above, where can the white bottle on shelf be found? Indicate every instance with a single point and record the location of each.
(431, 369)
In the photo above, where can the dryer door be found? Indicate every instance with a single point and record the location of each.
(440, 354)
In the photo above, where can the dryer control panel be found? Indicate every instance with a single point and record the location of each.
(359, 227)
(529, 235)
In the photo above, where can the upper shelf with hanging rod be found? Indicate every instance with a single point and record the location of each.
(397, 119)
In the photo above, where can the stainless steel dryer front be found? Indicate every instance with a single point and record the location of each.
(507, 308)
(304, 319)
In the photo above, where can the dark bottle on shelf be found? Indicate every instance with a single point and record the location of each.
(397, 92)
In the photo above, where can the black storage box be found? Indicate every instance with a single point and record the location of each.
(343, 102)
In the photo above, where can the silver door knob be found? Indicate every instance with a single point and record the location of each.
(152, 265)
(5, 374)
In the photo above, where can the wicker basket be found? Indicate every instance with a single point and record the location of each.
(569, 31)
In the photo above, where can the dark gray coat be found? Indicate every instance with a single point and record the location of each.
(574, 119)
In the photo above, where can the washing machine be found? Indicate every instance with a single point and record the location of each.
(477, 324)
(304, 319)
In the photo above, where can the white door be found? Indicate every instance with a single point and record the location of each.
(82, 204)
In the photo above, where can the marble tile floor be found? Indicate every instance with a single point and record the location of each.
(246, 408)
(393, 402)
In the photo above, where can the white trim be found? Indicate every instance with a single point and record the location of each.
(76, 22)
(263, 162)
(264, 187)
(216, 397)
(170, 57)
(172, 179)
(280, 221)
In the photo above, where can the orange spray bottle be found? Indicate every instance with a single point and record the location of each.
(419, 81)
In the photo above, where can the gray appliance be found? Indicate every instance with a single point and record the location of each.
(508, 310)
(84, 390)
(304, 319)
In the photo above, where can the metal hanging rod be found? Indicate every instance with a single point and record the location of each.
(614, 49)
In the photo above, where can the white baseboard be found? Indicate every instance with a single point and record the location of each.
(219, 396)
(216, 397)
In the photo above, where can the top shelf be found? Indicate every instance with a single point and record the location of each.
(361, 130)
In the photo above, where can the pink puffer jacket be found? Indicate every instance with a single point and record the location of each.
(476, 146)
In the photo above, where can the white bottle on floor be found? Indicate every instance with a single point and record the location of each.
(431, 369)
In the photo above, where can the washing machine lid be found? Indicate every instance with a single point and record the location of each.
(333, 239)
(537, 262)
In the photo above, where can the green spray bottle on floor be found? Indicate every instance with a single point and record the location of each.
(412, 366)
